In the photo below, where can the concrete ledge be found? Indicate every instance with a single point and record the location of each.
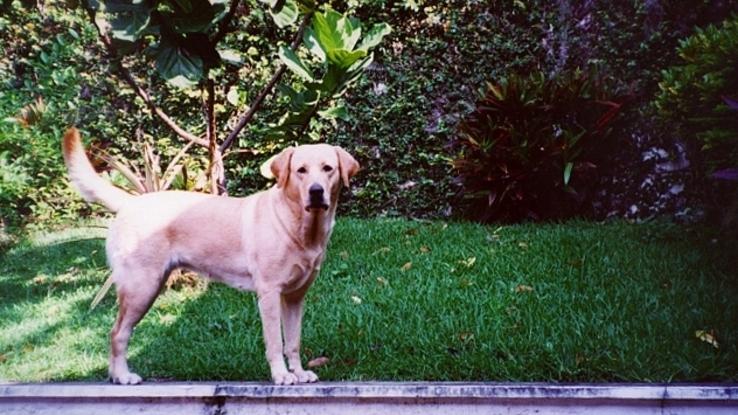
(368, 398)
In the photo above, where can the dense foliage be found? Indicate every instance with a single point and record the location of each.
(700, 93)
(529, 150)
(399, 120)
(42, 91)
(406, 114)
(334, 42)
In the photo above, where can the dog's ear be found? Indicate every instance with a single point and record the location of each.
(346, 164)
(280, 166)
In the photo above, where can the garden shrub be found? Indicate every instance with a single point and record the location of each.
(700, 93)
(699, 96)
(405, 114)
(50, 77)
(424, 80)
(528, 149)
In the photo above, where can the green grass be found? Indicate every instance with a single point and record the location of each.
(402, 300)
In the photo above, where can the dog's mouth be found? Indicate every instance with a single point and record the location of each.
(316, 206)
(316, 198)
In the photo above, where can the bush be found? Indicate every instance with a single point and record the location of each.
(698, 93)
(407, 111)
(404, 113)
(526, 152)
(43, 76)
(700, 97)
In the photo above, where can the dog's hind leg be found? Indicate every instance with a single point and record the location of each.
(137, 291)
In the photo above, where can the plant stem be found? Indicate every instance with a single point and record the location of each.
(256, 104)
(312, 113)
(215, 171)
(131, 81)
(209, 115)
(310, 116)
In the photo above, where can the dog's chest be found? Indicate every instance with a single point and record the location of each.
(303, 270)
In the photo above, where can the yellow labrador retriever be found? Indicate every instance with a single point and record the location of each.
(272, 242)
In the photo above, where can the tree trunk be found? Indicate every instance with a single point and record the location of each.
(216, 170)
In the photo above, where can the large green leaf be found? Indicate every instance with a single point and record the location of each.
(203, 15)
(293, 62)
(567, 172)
(293, 120)
(333, 30)
(283, 12)
(374, 36)
(121, 6)
(129, 19)
(306, 6)
(292, 96)
(231, 56)
(332, 39)
(359, 66)
(300, 101)
(310, 41)
(336, 79)
(199, 44)
(354, 74)
(336, 111)
(278, 5)
(185, 5)
(287, 16)
(129, 26)
(177, 66)
(332, 79)
(344, 58)
(351, 29)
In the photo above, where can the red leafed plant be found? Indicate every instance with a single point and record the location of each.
(527, 151)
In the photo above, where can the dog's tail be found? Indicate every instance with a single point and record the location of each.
(84, 177)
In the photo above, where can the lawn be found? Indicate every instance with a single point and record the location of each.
(407, 300)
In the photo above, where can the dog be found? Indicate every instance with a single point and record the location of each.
(272, 242)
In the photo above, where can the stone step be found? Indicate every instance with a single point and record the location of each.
(373, 398)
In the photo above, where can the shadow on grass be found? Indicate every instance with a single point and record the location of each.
(34, 272)
(214, 336)
(45, 293)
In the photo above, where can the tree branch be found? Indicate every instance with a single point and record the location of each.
(256, 104)
(216, 169)
(207, 110)
(131, 81)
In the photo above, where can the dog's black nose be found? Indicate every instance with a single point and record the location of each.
(317, 201)
(316, 191)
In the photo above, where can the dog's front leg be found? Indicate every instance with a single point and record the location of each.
(269, 308)
(292, 319)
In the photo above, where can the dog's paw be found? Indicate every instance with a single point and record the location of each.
(127, 378)
(284, 378)
(305, 376)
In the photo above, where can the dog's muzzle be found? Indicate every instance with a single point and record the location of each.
(317, 200)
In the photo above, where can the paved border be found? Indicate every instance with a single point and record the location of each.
(327, 398)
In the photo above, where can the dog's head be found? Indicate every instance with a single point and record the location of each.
(313, 174)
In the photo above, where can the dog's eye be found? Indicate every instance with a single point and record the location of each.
(302, 170)
(327, 169)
